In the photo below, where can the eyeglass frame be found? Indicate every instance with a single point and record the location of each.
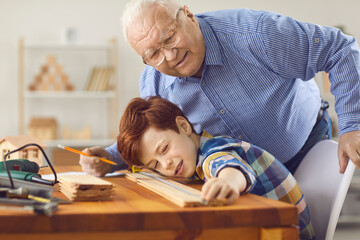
(162, 43)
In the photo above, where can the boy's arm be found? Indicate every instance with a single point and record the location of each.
(228, 185)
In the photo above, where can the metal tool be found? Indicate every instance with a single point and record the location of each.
(46, 208)
(17, 187)
(25, 146)
(27, 176)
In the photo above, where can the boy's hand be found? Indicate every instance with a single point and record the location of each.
(219, 189)
(93, 165)
(228, 185)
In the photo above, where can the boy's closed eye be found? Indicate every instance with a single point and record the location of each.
(156, 164)
(165, 148)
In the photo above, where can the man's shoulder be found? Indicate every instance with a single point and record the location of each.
(241, 18)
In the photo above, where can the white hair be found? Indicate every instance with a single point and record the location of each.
(134, 9)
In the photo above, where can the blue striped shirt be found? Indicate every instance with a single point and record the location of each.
(257, 83)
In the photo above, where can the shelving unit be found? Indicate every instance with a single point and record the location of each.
(73, 109)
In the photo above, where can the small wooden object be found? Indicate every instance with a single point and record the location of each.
(173, 194)
(51, 77)
(85, 188)
(99, 79)
(83, 134)
(32, 153)
(43, 128)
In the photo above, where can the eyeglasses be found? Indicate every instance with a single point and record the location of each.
(155, 57)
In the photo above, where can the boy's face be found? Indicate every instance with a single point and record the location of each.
(168, 152)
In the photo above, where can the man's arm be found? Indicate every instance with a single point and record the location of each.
(349, 147)
(317, 48)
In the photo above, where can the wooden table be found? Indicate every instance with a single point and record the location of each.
(137, 213)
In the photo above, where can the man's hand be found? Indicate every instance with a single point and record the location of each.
(349, 148)
(227, 186)
(93, 165)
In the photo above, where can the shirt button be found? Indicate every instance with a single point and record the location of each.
(317, 40)
(241, 137)
(203, 82)
(222, 111)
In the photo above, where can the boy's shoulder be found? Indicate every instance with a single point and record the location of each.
(210, 144)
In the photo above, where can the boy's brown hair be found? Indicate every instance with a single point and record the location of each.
(139, 115)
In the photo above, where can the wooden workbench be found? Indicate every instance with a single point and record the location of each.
(137, 213)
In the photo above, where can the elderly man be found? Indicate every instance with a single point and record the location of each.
(247, 74)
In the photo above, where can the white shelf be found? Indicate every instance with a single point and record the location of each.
(96, 109)
(69, 94)
(79, 143)
(54, 46)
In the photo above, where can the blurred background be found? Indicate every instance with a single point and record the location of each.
(55, 54)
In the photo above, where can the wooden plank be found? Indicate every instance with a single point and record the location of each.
(85, 188)
(178, 193)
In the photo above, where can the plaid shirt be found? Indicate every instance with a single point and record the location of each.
(265, 175)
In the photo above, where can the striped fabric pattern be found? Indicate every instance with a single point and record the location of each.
(265, 175)
(257, 80)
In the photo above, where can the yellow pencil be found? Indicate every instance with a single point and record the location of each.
(82, 153)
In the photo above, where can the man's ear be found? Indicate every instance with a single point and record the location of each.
(183, 125)
(188, 13)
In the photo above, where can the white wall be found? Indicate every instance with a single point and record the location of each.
(99, 20)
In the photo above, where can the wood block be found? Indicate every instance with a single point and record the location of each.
(175, 192)
(38, 79)
(64, 79)
(51, 60)
(32, 87)
(43, 87)
(50, 78)
(58, 69)
(44, 69)
(85, 188)
(57, 87)
(69, 87)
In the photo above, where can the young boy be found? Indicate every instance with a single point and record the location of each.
(154, 133)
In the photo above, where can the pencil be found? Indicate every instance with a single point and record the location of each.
(82, 153)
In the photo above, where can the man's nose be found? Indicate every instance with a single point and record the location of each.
(170, 54)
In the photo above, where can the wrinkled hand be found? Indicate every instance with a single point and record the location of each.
(93, 165)
(219, 189)
(349, 148)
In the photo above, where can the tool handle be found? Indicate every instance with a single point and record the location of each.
(20, 165)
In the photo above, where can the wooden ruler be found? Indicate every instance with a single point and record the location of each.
(175, 192)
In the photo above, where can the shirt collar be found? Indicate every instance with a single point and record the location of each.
(205, 136)
(212, 50)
